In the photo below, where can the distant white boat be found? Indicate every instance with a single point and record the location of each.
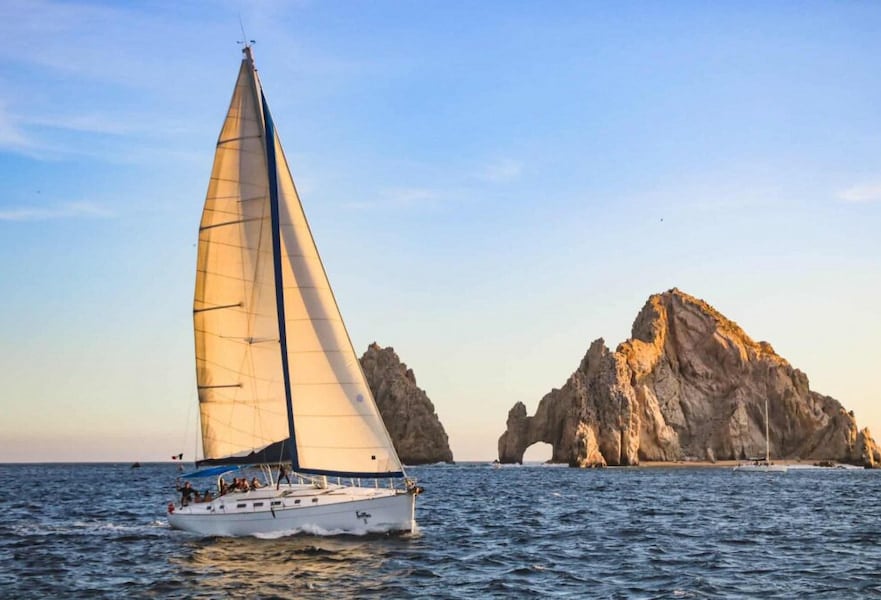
(278, 379)
(763, 466)
(831, 467)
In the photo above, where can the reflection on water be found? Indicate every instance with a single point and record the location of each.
(289, 565)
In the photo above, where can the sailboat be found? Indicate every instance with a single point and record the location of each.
(763, 465)
(281, 390)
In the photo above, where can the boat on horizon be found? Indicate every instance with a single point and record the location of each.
(281, 390)
(831, 466)
(763, 465)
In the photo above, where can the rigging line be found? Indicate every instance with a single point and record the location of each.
(236, 197)
(197, 434)
(199, 310)
(225, 223)
(187, 425)
(245, 39)
(238, 139)
(217, 179)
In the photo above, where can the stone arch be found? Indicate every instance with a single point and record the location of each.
(538, 452)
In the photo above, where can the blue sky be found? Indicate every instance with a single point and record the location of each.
(492, 185)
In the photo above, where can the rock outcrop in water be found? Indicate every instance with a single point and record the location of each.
(688, 385)
(409, 415)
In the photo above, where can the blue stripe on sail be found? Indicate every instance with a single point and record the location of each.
(274, 453)
(271, 166)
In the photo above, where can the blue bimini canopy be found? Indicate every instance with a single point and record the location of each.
(211, 472)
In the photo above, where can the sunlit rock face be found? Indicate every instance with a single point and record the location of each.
(409, 415)
(689, 384)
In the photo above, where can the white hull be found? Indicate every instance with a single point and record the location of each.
(299, 509)
(761, 468)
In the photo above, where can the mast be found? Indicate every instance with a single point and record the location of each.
(272, 176)
(767, 436)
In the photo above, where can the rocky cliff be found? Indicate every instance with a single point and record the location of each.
(688, 385)
(409, 415)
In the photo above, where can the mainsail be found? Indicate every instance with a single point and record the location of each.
(278, 376)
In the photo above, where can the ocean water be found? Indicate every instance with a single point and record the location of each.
(99, 531)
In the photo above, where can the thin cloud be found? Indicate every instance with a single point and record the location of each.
(861, 194)
(116, 141)
(17, 133)
(410, 196)
(70, 210)
(12, 137)
(99, 124)
(729, 203)
(53, 34)
(502, 171)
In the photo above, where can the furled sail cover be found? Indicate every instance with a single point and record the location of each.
(337, 426)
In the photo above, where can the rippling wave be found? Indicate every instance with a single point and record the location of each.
(87, 531)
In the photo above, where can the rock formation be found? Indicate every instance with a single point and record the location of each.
(688, 385)
(409, 415)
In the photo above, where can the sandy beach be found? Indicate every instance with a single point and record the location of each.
(703, 464)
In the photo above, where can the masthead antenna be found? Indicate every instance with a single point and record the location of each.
(246, 43)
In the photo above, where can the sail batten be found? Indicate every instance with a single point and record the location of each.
(228, 223)
(238, 139)
(303, 396)
(222, 306)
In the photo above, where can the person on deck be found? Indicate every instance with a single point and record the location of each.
(255, 485)
(186, 492)
(282, 472)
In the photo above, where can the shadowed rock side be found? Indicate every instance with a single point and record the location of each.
(688, 385)
(409, 416)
